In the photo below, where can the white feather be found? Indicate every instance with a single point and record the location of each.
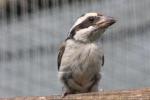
(81, 19)
(82, 60)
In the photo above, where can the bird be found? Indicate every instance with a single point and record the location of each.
(80, 56)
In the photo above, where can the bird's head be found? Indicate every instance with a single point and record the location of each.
(90, 26)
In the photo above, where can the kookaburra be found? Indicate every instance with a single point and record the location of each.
(80, 57)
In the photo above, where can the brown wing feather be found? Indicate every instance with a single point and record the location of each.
(103, 60)
(60, 54)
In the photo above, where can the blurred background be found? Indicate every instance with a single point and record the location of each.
(31, 31)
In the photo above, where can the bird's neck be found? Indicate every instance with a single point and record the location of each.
(84, 42)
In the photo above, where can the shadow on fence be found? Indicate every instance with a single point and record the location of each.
(17, 8)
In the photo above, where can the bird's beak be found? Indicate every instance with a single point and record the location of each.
(105, 22)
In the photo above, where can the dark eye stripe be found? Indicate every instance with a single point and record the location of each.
(82, 25)
(91, 19)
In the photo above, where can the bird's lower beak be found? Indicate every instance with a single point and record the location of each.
(105, 22)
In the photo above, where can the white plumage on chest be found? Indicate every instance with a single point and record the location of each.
(83, 60)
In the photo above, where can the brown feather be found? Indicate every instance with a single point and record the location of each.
(103, 60)
(60, 54)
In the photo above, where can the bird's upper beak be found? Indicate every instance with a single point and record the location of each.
(105, 22)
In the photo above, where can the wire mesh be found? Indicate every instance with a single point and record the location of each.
(31, 31)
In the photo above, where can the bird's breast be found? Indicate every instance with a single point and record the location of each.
(85, 61)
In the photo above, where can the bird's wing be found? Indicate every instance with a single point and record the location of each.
(60, 54)
(103, 60)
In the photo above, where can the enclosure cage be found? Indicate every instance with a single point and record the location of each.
(32, 30)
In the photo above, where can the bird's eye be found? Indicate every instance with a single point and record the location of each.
(91, 19)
